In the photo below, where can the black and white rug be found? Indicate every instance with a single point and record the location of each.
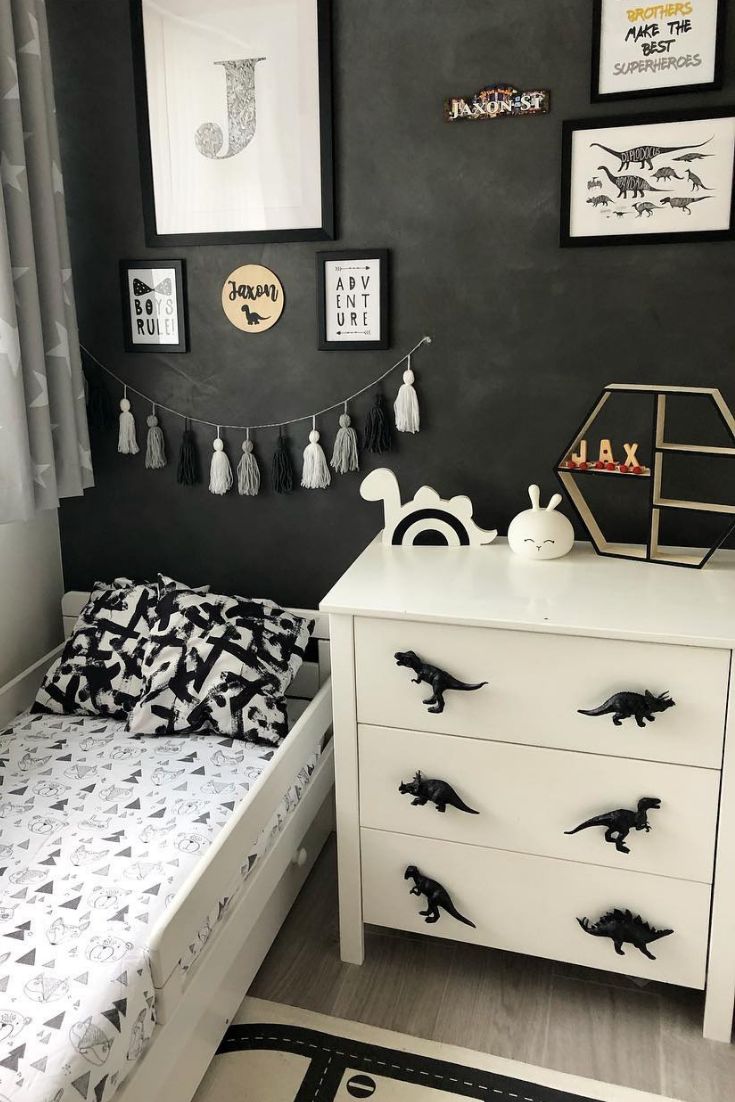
(277, 1053)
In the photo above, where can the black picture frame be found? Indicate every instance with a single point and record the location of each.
(665, 90)
(182, 313)
(570, 126)
(353, 255)
(323, 232)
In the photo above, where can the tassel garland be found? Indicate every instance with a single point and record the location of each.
(248, 475)
(187, 473)
(220, 471)
(282, 471)
(127, 443)
(344, 455)
(315, 473)
(316, 467)
(155, 450)
(377, 428)
(406, 405)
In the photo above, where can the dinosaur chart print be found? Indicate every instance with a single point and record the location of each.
(651, 178)
(98, 829)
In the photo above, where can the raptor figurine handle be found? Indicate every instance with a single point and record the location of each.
(438, 680)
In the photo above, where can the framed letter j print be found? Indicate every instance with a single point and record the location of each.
(234, 120)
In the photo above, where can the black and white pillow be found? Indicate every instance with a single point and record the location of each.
(99, 671)
(219, 664)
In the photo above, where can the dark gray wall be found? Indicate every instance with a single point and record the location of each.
(524, 333)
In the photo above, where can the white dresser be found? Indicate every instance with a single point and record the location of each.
(509, 768)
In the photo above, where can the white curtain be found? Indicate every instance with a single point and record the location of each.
(44, 442)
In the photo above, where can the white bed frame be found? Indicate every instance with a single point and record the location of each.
(195, 1008)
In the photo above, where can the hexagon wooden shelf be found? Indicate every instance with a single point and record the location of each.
(651, 551)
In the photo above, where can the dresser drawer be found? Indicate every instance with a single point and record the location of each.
(527, 797)
(531, 904)
(535, 685)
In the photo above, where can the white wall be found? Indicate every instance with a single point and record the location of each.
(31, 586)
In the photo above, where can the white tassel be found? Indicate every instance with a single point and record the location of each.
(155, 450)
(248, 474)
(406, 405)
(315, 474)
(344, 455)
(126, 441)
(220, 471)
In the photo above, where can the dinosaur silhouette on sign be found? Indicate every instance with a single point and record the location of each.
(253, 317)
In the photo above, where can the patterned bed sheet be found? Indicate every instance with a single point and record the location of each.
(97, 831)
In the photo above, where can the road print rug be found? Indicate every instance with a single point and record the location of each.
(276, 1053)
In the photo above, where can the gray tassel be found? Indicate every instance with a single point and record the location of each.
(344, 455)
(248, 474)
(155, 450)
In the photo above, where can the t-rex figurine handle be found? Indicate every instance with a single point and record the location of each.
(437, 897)
(440, 681)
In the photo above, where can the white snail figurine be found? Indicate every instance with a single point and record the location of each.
(538, 533)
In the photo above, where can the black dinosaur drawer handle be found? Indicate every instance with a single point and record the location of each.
(436, 897)
(624, 926)
(618, 824)
(439, 793)
(440, 681)
(627, 705)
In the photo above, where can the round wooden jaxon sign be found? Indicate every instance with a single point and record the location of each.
(252, 298)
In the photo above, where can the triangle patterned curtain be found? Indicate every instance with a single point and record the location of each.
(44, 442)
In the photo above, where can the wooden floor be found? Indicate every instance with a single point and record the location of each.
(559, 1016)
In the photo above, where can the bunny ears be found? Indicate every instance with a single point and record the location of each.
(535, 495)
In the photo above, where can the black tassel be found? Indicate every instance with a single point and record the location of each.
(101, 411)
(377, 427)
(282, 471)
(188, 473)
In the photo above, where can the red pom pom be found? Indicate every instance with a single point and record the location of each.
(638, 470)
(610, 466)
(583, 466)
(624, 469)
(599, 465)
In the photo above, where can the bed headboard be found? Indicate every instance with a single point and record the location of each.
(19, 693)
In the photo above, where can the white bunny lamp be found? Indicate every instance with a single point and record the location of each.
(538, 533)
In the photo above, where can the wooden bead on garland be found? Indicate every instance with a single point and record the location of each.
(188, 473)
(315, 473)
(406, 405)
(377, 428)
(127, 443)
(282, 471)
(155, 450)
(344, 455)
(248, 475)
(220, 471)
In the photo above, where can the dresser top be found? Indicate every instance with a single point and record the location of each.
(581, 594)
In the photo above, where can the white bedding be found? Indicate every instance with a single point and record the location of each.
(97, 831)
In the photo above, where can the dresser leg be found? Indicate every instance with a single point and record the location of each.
(344, 701)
